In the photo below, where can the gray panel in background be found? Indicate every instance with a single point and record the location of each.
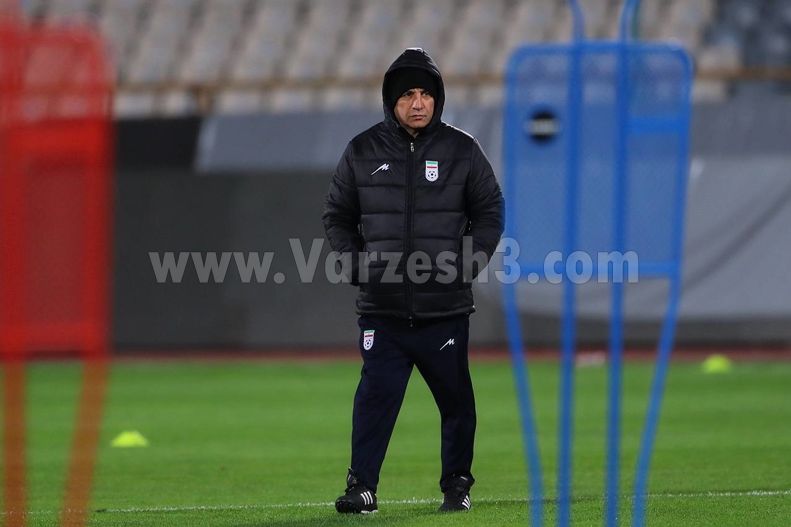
(167, 212)
(278, 143)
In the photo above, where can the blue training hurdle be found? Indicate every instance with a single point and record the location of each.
(596, 139)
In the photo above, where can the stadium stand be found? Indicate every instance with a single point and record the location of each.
(176, 57)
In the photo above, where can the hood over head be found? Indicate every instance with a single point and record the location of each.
(413, 65)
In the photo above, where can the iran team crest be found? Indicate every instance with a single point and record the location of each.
(368, 339)
(432, 170)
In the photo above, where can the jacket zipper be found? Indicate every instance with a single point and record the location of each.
(408, 230)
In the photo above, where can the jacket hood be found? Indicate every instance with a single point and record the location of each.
(414, 58)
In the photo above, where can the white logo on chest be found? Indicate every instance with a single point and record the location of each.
(432, 170)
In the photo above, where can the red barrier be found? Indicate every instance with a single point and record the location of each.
(55, 229)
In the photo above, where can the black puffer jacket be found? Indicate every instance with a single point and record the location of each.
(384, 197)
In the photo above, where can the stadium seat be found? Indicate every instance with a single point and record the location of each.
(717, 57)
(258, 59)
(212, 41)
(69, 10)
(427, 25)
(134, 104)
(315, 54)
(178, 102)
(652, 16)
(119, 21)
(236, 101)
(528, 21)
(472, 41)
(533, 21)
(161, 40)
(265, 41)
(599, 15)
(369, 47)
(771, 46)
(685, 22)
(743, 14)
(289, 100)
(346, 98)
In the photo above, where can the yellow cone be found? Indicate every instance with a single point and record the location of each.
(129, 439)
(717, 364)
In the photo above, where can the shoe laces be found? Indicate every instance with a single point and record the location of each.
(456, 493)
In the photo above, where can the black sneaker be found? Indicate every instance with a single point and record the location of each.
(358, 498)
(457, 494)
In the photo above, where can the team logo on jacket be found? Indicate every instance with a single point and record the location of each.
(432, 170)
(368, 339)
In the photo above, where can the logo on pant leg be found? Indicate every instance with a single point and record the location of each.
(368, 339)
(450, 342)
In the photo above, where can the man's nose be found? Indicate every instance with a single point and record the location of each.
(418, 102)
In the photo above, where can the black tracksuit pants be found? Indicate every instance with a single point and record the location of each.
(389, 348)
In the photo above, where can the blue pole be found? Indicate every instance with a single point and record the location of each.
(654, 405)
(522, 383)
(511, 307)
(578, 21)
(627, 17)
(566, 395)
(620, 197)
(669, 324)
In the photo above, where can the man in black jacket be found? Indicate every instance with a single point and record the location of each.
(406, 197)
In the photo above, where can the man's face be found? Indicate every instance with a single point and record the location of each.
(414, 110)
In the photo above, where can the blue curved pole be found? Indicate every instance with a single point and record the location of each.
(627, 18)
(620, 193)
(671, 316)
(522, 383)
(654, 405)
(513, 323)
(569, 337)
(578, 21)
(616, 345)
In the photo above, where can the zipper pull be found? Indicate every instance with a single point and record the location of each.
(411, 322)
(411, 147)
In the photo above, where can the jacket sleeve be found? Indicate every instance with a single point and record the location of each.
(485, 205)
(341, 215)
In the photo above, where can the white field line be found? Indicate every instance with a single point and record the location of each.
(421, 501)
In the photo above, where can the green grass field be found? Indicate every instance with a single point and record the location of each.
(266, 444)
